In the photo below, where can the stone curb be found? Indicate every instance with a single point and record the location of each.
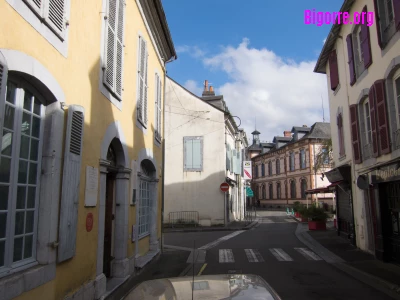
(384, 286)
(251, 225)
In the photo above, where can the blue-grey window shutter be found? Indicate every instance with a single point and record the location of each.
(238, 162)
(70, 183)
(188, 154)
(228, 157)
(231, 160)
(234, 161)
(196, 154)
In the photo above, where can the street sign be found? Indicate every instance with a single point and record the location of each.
(247, 172)
(224, 187)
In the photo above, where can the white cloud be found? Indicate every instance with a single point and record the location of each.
(323, 42)
(279, 93)
(193, 87)
(193, 51)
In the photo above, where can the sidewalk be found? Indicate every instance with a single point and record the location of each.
(232, 226)
(170, 263)
(341, 254)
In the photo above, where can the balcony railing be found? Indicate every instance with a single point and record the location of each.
(367, 151)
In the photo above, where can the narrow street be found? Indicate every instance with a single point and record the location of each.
(272, 250)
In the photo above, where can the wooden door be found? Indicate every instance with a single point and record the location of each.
(108, 228)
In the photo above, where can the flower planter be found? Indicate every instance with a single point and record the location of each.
(297, 214)
(304, 219)
(316, 225)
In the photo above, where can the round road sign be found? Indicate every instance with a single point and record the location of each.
(224, 187)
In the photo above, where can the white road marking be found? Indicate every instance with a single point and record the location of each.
(226, 256)
(220, 240)
(280, 254)
(253, 255)
(307, 253)
(290, 220)
(266, 220)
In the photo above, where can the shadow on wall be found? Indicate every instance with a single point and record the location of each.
(203, 196)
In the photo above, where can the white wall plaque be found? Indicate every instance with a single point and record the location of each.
(92, 184)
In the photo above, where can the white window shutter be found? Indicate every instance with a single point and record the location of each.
(158, 107)
(55, 15)
(120, 49)
(36, 5)
(109, 57)
(141, 62)
(145, 86)
(3, 85)
(70, 183)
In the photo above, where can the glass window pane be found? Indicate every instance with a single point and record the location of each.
(34, 149)
(37, 107)
(26, 124)
(23, 171)
(398, 87)
(21, 195)
(18, 249)
(10, 93)
(5, 164)
(30, 215)
(9, 117)
(32, 173)
(24, 150)
(2, 252)
(3, 197)
(6, 144)
(31, 197)
(36, 127)
(28, 246)
(3, 225)
(28, 101)
(19, 222)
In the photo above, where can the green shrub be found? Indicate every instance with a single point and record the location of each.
(315, 213)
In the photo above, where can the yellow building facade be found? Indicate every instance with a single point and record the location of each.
(81, 161)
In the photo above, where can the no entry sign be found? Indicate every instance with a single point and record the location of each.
(224, 187)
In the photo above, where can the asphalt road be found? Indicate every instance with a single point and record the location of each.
(274, 253)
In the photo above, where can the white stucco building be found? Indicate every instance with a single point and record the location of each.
(203, 148)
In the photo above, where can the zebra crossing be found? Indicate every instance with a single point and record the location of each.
(254, 255)
(265, 220)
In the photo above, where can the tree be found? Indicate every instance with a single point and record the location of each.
(324, 157)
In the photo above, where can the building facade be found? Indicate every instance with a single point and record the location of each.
(81, 164)
(286, 173)
(362, 65)
(203, 150)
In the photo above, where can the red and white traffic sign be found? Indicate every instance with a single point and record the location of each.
(224, 187)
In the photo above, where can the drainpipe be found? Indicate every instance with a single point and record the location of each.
(163, 155)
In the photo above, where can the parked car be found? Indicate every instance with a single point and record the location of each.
(212, 287)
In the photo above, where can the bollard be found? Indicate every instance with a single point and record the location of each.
(292, 212)
(287, 211)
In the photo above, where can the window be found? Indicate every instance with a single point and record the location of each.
(303, 188)
(278, 190)
(388, 16)
(271, 193)
(397, 105)
(291, 161)
(368, 131)
(193, 153)
(142, 84)
(358, 51)
(340, 135)
(278, 166)
(158, 93)
(144, 208)
(293, 189)
(325, 156)
(52, 13)
(264, 193)
(114, 45)
(270, 168)
(262, 170)
(256, 171)
(333, 70)
(20, 165)
(302, 159)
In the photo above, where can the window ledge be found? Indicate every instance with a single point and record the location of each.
(144, 235)
(14, 285)
(343, 157)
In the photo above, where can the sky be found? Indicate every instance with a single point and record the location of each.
(259, 54)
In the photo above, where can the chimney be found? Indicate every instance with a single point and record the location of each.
(304, 125)
(208, 91)
(211, 89)
(205, 85)
(287, 134)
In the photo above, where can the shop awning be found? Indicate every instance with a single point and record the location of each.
(332, 186)
(249, 192)
(320, 190)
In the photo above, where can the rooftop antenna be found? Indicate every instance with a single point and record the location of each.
(323, 113)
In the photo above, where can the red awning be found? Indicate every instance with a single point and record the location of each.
(320, 190)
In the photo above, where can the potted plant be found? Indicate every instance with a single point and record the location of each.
(316, 218)
(303, 213)
(296, 208)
